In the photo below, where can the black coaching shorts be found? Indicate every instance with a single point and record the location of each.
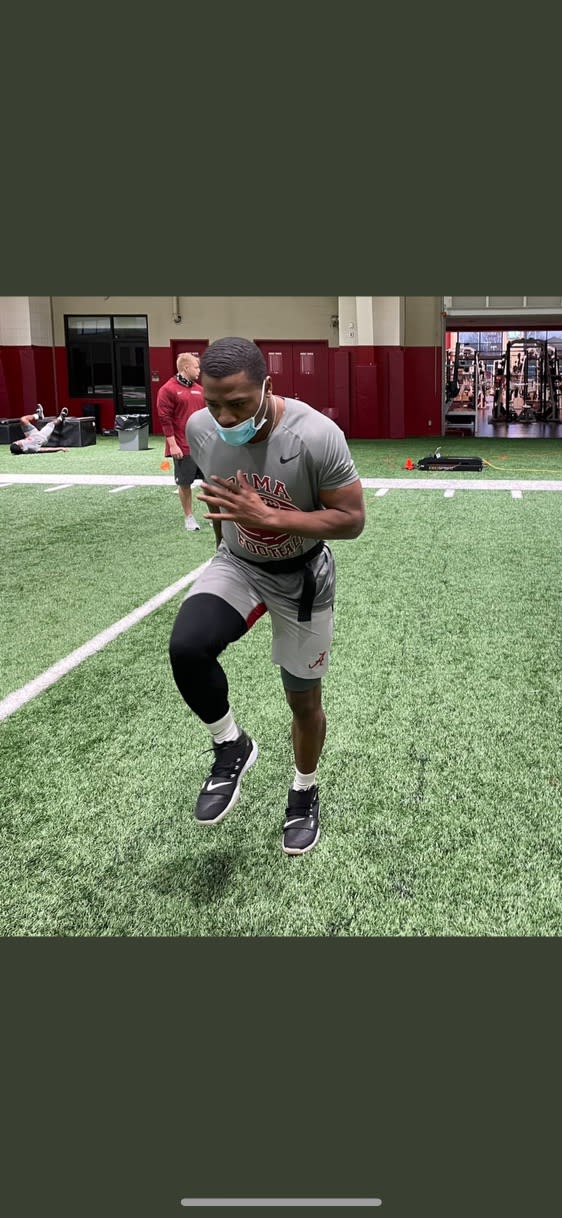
(185, 471)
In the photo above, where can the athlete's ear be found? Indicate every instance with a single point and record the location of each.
(268, 384)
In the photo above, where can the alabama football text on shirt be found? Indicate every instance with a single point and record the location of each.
(304, 454)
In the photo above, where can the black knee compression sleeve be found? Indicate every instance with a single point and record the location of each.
(205, 625)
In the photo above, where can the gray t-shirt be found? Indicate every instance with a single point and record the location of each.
(35, 438)
(304, 454)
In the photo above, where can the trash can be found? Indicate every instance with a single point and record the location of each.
(132, 430)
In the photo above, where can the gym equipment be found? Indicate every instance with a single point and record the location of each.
(452, 387)
(10, 430)
(464, 389)
(436, 462)
(76, 433)
(527, 383)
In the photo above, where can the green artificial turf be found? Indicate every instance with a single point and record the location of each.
(103, 457)
(374, 458)
(440, 777)
(77, 560)
(518, 459)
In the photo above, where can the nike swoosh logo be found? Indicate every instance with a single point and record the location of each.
(213, 786)
(284, 460)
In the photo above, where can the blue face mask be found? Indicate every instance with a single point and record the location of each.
(242, 433)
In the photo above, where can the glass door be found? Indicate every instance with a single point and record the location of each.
(132, 378)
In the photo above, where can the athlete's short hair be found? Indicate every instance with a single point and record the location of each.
(226, 356)
(15, 449)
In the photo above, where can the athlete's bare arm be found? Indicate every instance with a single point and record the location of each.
(342, 515)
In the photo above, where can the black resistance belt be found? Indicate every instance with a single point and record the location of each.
(284, 566)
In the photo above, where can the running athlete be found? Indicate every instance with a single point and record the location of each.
(279, 481)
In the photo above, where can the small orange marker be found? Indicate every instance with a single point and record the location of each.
(164, 465)
(409, 464)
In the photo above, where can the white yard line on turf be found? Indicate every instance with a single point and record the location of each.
(463, 484)
(116, 490)
(389, 484)
(93, 479)
(14, 701)
(64, 486)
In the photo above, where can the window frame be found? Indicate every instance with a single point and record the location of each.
(87, 344)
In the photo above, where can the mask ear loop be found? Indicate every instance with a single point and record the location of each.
(262, 399)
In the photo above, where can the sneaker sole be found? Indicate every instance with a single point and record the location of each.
(236, 793)
(305, 850)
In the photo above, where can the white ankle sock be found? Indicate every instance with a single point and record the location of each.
(303, 782)
(224, 729)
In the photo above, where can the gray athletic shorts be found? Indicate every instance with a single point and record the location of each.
(185, 470)
(302, 649)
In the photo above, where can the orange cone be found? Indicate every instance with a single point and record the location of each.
(409, 464)
(164, 465)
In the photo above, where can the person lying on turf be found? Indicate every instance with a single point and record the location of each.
(36, 439)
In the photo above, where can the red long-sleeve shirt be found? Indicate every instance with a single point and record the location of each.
(175, 403)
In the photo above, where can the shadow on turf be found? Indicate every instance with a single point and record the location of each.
(203, 881)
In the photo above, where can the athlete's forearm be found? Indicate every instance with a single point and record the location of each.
(218, 531)
(330, 524)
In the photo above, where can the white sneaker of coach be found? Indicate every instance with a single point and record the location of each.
(191, 524)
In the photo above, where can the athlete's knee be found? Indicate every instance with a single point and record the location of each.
(203, 628)
(189, 645)
(182, 650)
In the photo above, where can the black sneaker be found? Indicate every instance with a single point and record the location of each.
(221, 789)
(302, 827)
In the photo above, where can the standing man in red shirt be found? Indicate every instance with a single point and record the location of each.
(177, 399)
